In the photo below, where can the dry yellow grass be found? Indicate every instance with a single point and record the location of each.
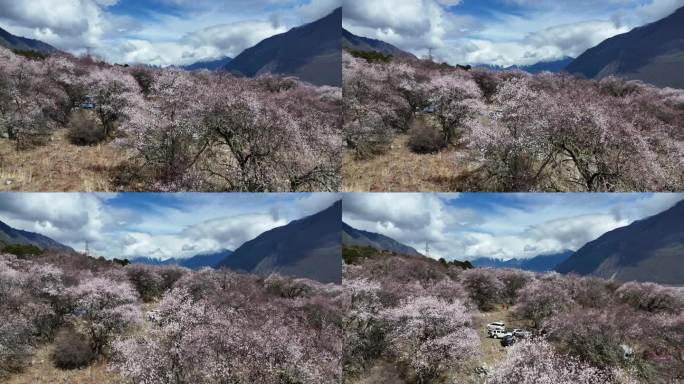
(42, 371)
(400, 170)
(58, 166)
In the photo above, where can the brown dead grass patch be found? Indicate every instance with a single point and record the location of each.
(42, 371)
(59, 166)
(400, 170)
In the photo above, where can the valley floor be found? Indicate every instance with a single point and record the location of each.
(59, 166)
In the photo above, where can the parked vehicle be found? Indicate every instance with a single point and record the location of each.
(508, 340)
(522, 334)
(498, 333)
(500, 325)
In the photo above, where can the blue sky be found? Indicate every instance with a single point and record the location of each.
(160, 225)
(159, 32)
(470, 225)
(501, 32)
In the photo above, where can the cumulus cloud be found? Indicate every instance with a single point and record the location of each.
(160, 226)
(211, 235)
(71, 217)
(411, 24)
(534, 31)
(194, 31)
(524, 226)
(73, 25)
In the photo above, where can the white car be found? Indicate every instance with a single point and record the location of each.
(521, 333)
(499, 325)
(499, 333)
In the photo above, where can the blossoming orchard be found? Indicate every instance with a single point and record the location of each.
(182, 130)
(510, 130)
(166, 324)
(411, 319)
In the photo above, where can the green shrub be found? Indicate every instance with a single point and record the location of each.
(355, 254)
(22, 250)
(370, 56)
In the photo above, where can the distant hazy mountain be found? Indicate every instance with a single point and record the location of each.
(196, 262)
(651, 249)
(311, 52)
(212, 65)
(9, 235)
(555, 66)
(552, 66)
(353, 236)
(309, 247)
(358, 43)
(653, 53)
(541, 263)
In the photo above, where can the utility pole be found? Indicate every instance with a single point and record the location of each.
(86, 248)
(430, 54)
(427, 249)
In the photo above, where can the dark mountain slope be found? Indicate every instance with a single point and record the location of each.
(651, 249)
(365, 44)
(653, 53)
(311, 52)
(356, 237)
(309, 247)
(9, 235)
(17, 43)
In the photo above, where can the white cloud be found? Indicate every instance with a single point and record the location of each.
(71, 218)
(167, 225)
(211, 235)
(526, 226)
(537, 31)
(411, 24)
(199, 30)
(209, 43)
(658, 9)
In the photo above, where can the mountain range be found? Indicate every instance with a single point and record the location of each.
(308, 247)
(310, 52)
(355, 237)
(9, 235)
(365, 44)
(17, 43)
(212, 65)
(541, 263)
(195, 262)
(651, 249)
(555, 66)
(653, 53)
